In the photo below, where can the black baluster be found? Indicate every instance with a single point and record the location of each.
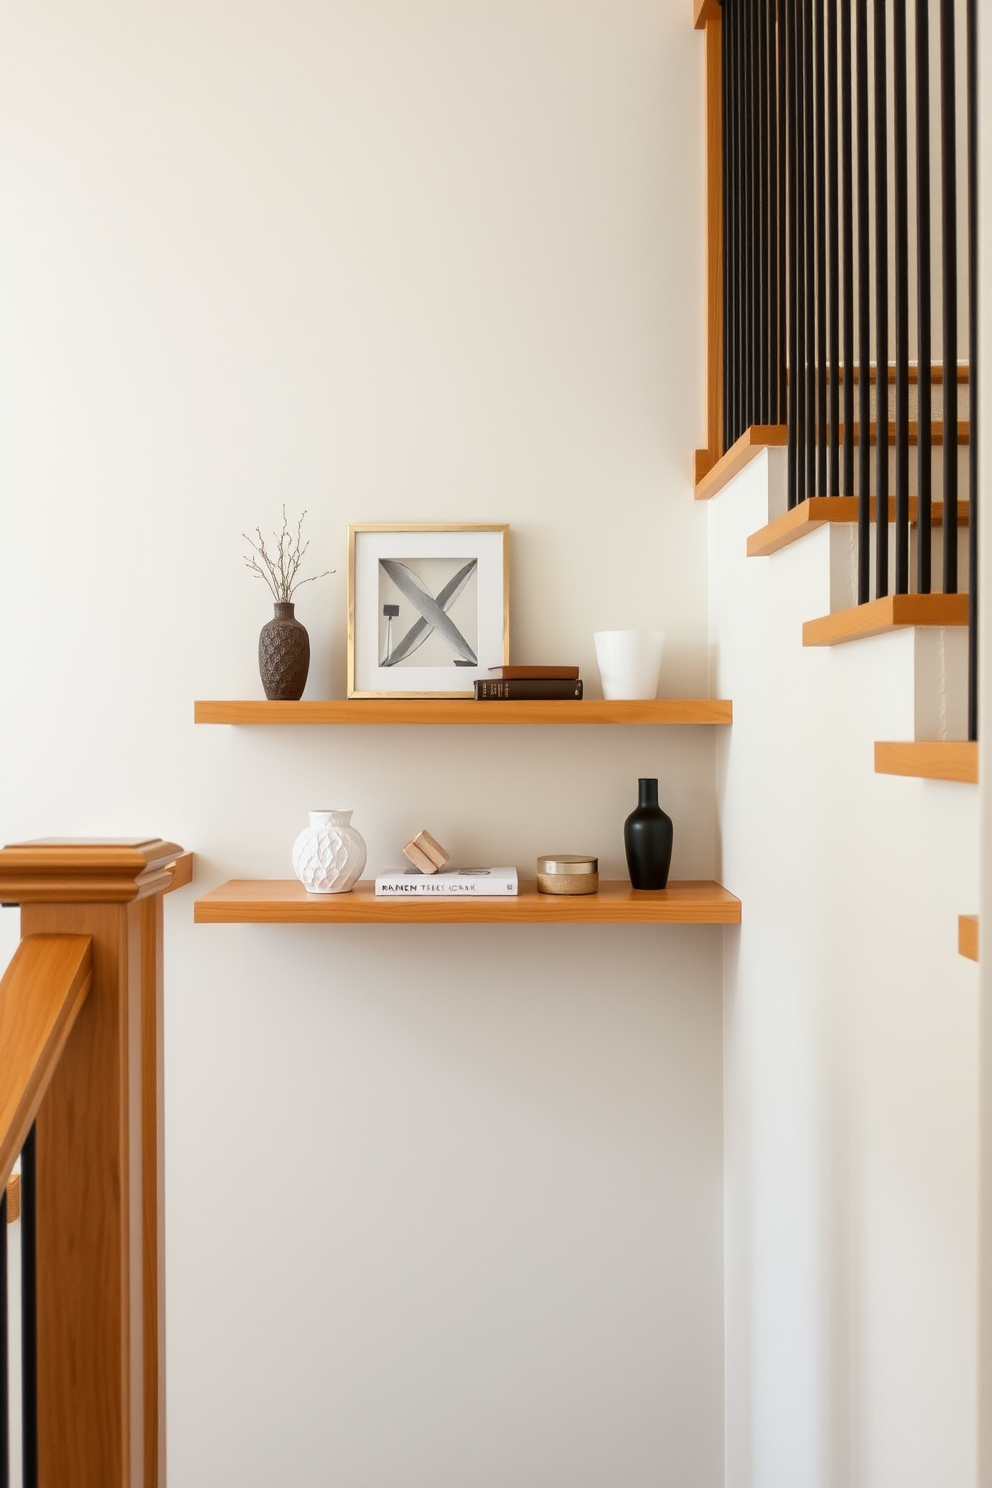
(754, 140)
(833, 250)
(803, 288)
(763, 209)
(847, 158)
(29, 1315)
(4, 1345)
(881, 308)
(924, 446)
(900, 168)
(781, 343)
(973, 601)
(949, 213)
(864, 315)
(809, 147)
(774, 231)
(746, 77)
(792, 235)
(821, 249)
(729, 245)
(736, 189)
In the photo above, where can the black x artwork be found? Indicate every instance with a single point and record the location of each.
(432, 611)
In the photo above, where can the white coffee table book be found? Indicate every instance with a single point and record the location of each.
(492, 883)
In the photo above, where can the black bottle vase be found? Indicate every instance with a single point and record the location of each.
(647, 838)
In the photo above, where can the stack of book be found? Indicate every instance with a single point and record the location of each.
(517, 683)
(479, 883)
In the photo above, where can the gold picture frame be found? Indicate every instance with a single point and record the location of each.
(392, 559)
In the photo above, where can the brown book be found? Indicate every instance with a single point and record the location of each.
(535, 673)
(532, 689)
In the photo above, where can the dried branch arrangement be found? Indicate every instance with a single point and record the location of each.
(280, 569)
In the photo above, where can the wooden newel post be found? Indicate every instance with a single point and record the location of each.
(99, 1164)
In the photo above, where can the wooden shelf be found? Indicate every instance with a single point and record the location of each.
(968, 936)
(943, 759)
(465, 711)
(286, 902)
(773, 436)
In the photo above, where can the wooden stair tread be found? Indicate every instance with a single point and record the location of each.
(816, 511)
(879, 616)
(751, 444)
(760, 437)
(968, 936)
(939, 759)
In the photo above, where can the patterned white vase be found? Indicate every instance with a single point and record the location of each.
(329, 855)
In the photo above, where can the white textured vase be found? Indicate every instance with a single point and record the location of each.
(329, 855)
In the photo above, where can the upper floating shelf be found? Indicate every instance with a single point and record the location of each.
(466, 711)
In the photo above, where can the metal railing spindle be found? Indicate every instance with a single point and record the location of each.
(971, 21)
(809, 146)
(29, 1314)
(790, 125)
(820, 115)
(864, 313)
(747, 216)
(762, 345)
(900, 167)
(949, 215)
(881, 308)
(730, 378)
(847, 158)
(803, 285)
(833, 252)
(4, 1345)
(780, 232)
(924, 416)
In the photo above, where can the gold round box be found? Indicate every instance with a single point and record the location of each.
(567, 873)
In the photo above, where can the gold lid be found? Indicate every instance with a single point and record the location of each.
(568, 863)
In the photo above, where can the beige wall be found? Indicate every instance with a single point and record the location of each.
(444, 1207)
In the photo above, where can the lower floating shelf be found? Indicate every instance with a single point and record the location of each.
(284, 901)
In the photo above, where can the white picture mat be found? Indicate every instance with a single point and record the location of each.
(400, 543)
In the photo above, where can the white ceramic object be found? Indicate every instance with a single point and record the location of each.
(329, 855)
(629, 662)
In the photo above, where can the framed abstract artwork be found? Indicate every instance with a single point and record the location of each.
(428, 609)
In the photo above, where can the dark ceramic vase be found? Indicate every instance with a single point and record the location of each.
(283, 655)
(647, 838)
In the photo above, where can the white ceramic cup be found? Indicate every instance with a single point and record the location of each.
(629, 662)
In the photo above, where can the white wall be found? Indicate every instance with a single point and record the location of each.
(985, 774)
(851, 1034)
(444, 1207)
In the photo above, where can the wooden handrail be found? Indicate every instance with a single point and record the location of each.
(708, 18)
(99, 1155)
(181, 873)
(41, 994)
